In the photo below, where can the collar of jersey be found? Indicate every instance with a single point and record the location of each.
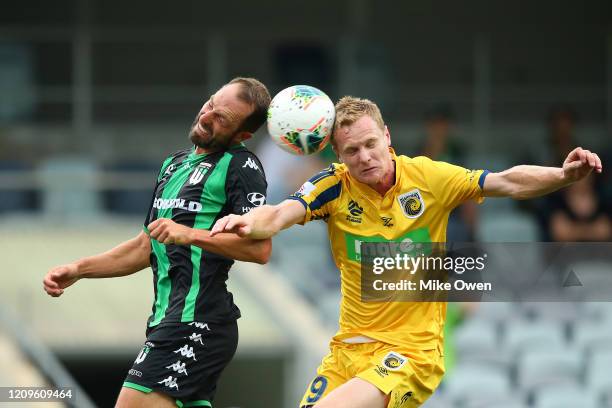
(195, 156)
(369, 191)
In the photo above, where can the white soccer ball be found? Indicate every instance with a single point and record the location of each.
(300, 119)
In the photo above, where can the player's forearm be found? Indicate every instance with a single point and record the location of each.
(125, 259)
(524, 182)
(266, 221)
(234, 247)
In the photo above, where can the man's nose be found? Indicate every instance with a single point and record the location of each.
(205, 118)
(364, 156)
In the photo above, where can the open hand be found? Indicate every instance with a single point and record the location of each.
(237, 224)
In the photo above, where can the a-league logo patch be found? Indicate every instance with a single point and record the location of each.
(394, 361)
(412, 203)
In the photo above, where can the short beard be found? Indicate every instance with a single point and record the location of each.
(215, 143)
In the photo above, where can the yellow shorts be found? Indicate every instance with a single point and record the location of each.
(408, 376)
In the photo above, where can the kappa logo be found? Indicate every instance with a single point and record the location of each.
(170, 382)
(412, 203)
(257, 199)
(199, 325)
(179, 367)
(169, 170)
(196, 338)
(355, 212)
(394, 361)
(199, 173)
(387, 221)
(186, 351)
(250, 163)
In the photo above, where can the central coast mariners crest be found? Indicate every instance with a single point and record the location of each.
(199, 172)
(393, 361)
(412, 203)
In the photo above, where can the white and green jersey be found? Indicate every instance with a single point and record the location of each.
(195, 191)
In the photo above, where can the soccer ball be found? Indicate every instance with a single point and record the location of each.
(300, 119)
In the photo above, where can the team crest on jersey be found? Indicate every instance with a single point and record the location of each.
(412, 203)
(199, 173)
(394, 361)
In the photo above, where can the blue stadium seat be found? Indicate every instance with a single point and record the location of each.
(495, 311)
(598, 376)
(540, 367)
(478, 341)
(477, 384)
(521, 335)
(562, 312)
(565, 396)
(127, 201)
(508, 226)
(18, 200)
(588, 335)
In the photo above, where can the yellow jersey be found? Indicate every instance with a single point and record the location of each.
(416, 208)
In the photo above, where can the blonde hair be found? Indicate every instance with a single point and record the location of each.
(350, 109)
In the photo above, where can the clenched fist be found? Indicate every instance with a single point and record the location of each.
(167, 231)
(59, 278)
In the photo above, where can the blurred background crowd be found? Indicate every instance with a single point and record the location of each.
(94, 95)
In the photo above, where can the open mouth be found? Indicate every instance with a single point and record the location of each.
(200, 131)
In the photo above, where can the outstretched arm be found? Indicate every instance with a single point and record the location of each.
(524, 182)
(125, 259)
(262, 222)
(232, 246)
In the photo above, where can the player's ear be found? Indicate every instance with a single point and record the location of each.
(387, 136)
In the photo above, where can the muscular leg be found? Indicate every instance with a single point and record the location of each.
(130, 398)
(355, 393)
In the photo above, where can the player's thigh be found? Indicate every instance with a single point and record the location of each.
(331, 374)
(355, 393)
(131, 398)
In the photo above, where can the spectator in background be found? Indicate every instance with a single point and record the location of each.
(561, 126)
(440, 145)
(579, 214)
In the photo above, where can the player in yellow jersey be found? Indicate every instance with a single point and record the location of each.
(388, 354)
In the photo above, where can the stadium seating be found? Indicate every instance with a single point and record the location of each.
(564, 396)
(477, 383)
(510, 226)
(536, 368)
(521, 335)
(598, 377)
(588, 335)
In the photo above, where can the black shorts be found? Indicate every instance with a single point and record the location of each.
(184, 361)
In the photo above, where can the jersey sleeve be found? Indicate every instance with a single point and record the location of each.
(319, 195)
(245, 185)
(453, 185)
